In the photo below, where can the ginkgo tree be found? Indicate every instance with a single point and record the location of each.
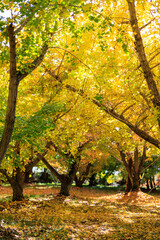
(26, 31)
(128, 66)
(131, 151)
(28, 145)
(69, 141)
(115, 78)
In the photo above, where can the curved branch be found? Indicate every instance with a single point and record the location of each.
(23, 24)
(53, 170)
(151, 164)
(115, 115)
(33, 65)
(145, 25)
(126, 109)
(142, 56)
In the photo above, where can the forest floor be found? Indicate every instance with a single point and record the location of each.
(85, 214)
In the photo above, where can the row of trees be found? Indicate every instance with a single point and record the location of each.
(89, 87)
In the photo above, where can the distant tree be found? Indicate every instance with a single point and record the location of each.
(72, 162)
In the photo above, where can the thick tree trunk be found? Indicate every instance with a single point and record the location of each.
(136, 183)
(17, 184)
(81, 179)
(12, 96)
(27, 176)
(92, 180)
(79, 182)
(128, 185)
(134, 168)
(67, 180)
(132, 185)
(129, 181)
(66, 184)
(136, 172)
(17, 192)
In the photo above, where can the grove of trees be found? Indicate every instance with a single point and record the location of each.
(79, 90)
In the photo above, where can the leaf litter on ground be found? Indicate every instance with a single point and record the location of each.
(85, 214)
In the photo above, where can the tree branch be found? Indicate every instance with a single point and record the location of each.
(33, 65)
(136, 165)
(82, 145)
(57, 149)
(151, 164)
(139, 46)
(117, 159)
(126, 109)
(155, 65)
(53, 170)
(154, 57)
(145, 25)
(115, 115)
(23, 24)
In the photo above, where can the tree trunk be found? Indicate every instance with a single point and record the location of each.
(17, 184)
(133, 176)
(128, 185)
(67, 180)
(27, 176)
(79, 182)
(129, 181)
(81, 179)
(151, 183)
(66, 184)
(133, 185)
(147, 184)
(12, 96)
(17, 192)
(92, 180)
(136, 183)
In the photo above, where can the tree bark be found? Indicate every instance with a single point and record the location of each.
(27, 176)
(136, 174)
(17, 183)
(147, 181)
(65, 179)
(136, 183)
(17, 191)
(66, 183)
(92, 180)
(133, 167)
(144, 63)
(12, 96)
(129, 181)
(128, 185)
(151, 184)
(79, 181)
